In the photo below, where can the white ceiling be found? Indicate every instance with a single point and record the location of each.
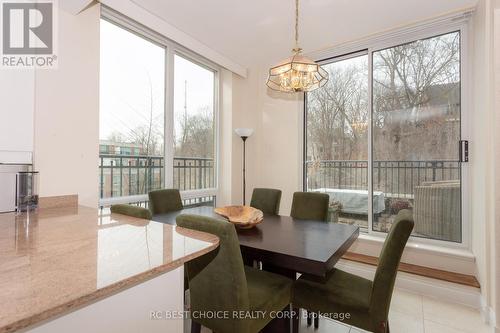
(260, 32)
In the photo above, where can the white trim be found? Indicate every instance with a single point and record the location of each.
(74, 6)
(139, 14)
(169, 151)
(388, 37)
(370, 170)
(488, 313)
(463, 254)
(104, 202)
(442, 290)
(185, 195)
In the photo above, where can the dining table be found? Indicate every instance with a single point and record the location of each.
(285, 245)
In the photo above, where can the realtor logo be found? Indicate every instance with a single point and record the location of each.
(28, 33)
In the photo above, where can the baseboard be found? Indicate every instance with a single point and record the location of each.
(447, 291)
(433, 273)
(489, 315)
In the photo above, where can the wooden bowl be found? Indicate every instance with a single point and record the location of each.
(244, 217)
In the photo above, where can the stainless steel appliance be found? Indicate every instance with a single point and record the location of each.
(8, 174)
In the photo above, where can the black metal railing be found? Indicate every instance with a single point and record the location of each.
(125, 175)
(394, 178)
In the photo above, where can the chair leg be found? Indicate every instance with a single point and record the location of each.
(295, 320)
(316, 320)
(195, 327)
(309, 319)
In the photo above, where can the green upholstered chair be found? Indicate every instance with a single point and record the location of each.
(267, 200)
(366, 301)
(130, 210)
(310, 206)
(165, 201)
(218, 281)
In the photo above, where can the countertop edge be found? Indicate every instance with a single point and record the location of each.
(103, 293)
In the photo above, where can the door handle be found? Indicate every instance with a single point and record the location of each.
(463, 151)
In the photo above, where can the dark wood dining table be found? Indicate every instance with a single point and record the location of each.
(285, 245)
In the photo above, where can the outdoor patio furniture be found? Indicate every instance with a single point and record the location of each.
(355, 201)
(437, 210)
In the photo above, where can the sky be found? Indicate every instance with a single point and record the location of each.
(132, 81)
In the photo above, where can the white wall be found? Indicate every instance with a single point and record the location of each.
(17, 94)
(67, 111)
(225, 138)
(483, 144)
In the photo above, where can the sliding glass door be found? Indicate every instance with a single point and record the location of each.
(337, 139)
(384, 135)
(416, 134)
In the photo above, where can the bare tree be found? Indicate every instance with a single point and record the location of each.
(197, 135)
(334, 111)
(416, 99)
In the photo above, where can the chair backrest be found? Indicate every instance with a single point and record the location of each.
(217, 280)
(310, 206)
(134, 211)
(385, 276)
(267, 200)
(165, 201)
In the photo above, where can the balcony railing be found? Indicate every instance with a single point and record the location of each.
(395, 178)
(127, 175)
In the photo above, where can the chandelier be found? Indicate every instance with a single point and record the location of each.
(296, 73)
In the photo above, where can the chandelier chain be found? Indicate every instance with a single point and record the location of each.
(297, 73)
(296, 23)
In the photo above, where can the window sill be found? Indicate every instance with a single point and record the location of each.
(459, 253)
(457, 260)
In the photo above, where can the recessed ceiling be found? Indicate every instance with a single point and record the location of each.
(261, 32)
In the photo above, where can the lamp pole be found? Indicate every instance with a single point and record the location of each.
(244, 134)
(244, 138)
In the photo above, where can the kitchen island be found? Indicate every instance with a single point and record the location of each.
(76, 270)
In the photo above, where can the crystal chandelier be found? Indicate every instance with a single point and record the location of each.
(296, 73)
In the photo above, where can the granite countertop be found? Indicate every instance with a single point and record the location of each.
(57, 260)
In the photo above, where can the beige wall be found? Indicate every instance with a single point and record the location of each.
(67, 111)
(274, 150)
(496, 222)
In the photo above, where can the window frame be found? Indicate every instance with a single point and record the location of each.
(171, 49)
(459, 23)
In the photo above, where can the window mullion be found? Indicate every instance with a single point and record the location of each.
(370, 141)
(169, 119)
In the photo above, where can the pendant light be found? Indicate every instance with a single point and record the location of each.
(296, 73)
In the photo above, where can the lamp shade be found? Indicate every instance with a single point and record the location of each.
(244, 132)
(297, 74)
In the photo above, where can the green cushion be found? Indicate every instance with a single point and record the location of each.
(310, 206)
(266, 292)
(218, 281)
(135, 211)
(339, 288)
(367, 302)
(165, 201)
(267, 200)
(390, 256)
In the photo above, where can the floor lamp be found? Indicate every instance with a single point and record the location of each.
(244, 134)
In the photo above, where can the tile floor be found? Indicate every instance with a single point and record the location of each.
(411, 313)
